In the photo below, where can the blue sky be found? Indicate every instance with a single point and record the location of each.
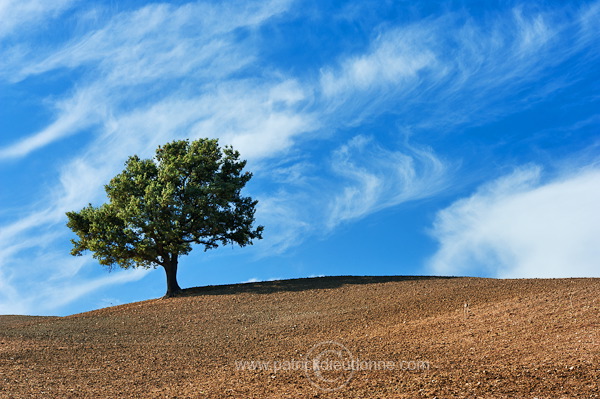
(385, 137)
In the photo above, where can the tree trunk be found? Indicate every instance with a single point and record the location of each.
(171, 270)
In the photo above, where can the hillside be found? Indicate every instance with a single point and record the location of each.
(392, 337)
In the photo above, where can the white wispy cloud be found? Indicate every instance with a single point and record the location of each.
(459, 70)
(58, 285)
(10, 302)
(155, 46)
(259, 118)
(520, 226)
(60, 293)
(159, 40)
(374, 178)
(395, 60)
(83, 109)
(20, 15)
(355, 180)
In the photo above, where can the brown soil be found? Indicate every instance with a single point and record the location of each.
(392, 337)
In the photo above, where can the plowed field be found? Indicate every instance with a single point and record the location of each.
(330, 337)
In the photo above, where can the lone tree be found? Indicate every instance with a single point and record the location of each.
(190, 193)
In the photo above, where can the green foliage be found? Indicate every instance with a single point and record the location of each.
(190, 193)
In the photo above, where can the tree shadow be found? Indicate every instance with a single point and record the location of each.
(297, 284)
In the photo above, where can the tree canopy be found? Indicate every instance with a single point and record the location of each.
(189, 193)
